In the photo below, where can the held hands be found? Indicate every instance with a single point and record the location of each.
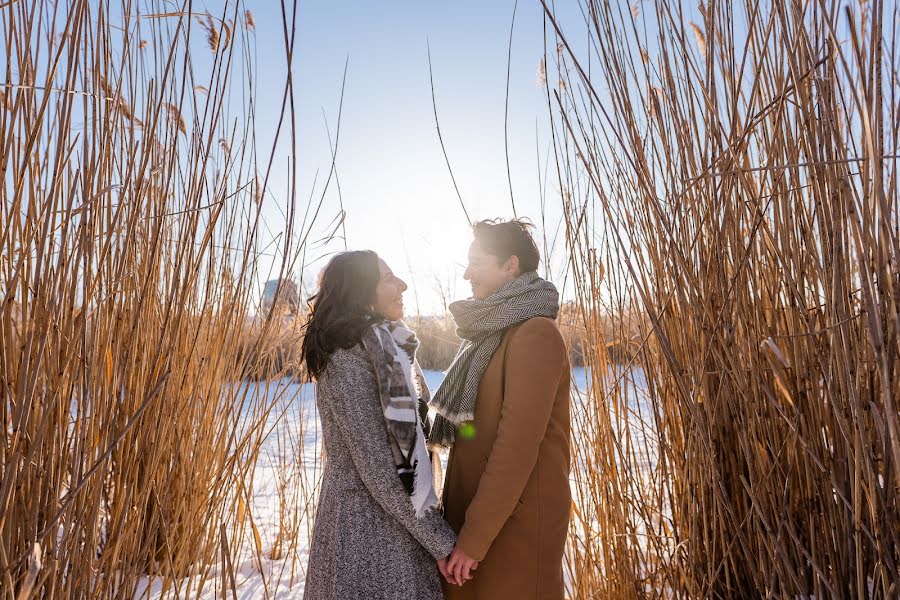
(457, 568)
(442, 567)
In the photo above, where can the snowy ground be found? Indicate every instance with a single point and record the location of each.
(280, 477)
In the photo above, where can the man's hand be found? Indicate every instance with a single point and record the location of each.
(460, 567)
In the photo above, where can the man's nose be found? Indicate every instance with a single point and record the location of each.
(467, 275)
(403, 286)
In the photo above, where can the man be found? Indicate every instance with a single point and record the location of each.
(503, 409)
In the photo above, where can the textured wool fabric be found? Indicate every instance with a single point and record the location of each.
(367, 541)
(507, 487)
(481, 324)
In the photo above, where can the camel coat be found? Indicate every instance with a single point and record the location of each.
(507, 486)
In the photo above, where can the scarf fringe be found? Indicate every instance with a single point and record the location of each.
(457, 418)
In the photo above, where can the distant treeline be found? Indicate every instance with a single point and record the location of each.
(439, 342)
(275, 351)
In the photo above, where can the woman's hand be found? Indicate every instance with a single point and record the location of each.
(442, 567)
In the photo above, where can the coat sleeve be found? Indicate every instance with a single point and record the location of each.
(349, 392)
(535, 361)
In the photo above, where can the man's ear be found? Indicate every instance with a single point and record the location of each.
(512, 265)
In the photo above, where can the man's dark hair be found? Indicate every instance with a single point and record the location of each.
(509, 238)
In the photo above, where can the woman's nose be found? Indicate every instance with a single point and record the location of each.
(403, 286)
(466, 275)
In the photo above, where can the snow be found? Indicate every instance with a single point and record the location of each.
(287, 473)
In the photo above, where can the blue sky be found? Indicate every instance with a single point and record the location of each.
(394, 184)
(395, 187)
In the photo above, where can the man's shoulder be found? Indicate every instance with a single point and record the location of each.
(537, 327)
(537, 337)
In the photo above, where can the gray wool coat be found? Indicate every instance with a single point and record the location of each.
(367, 542)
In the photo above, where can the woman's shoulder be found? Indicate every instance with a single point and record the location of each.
(353, 354)
(348, 379)
(347, 363)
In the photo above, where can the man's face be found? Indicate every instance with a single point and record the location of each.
(486, 273)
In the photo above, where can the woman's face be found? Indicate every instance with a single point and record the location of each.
(389, 293)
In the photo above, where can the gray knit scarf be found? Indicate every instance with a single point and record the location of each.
(481, 324)
(404, 399)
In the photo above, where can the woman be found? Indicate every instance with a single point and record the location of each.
(377, 533)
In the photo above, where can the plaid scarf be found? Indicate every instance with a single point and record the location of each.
(404, 400)
(482, 324)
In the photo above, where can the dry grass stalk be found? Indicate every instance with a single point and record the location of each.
(177, 118)
(701, 39)
(258, 190)
(122, 306)
(541, 76)
(752, 207)
(119, 101)
(212, 33)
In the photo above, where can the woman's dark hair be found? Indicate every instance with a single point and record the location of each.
(509, 238)
(341, 309)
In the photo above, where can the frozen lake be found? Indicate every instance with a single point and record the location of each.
(285, 482)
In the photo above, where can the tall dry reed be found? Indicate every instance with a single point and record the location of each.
(730, 172)
(130, 206)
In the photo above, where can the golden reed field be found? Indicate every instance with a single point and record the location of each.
(730, 190)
